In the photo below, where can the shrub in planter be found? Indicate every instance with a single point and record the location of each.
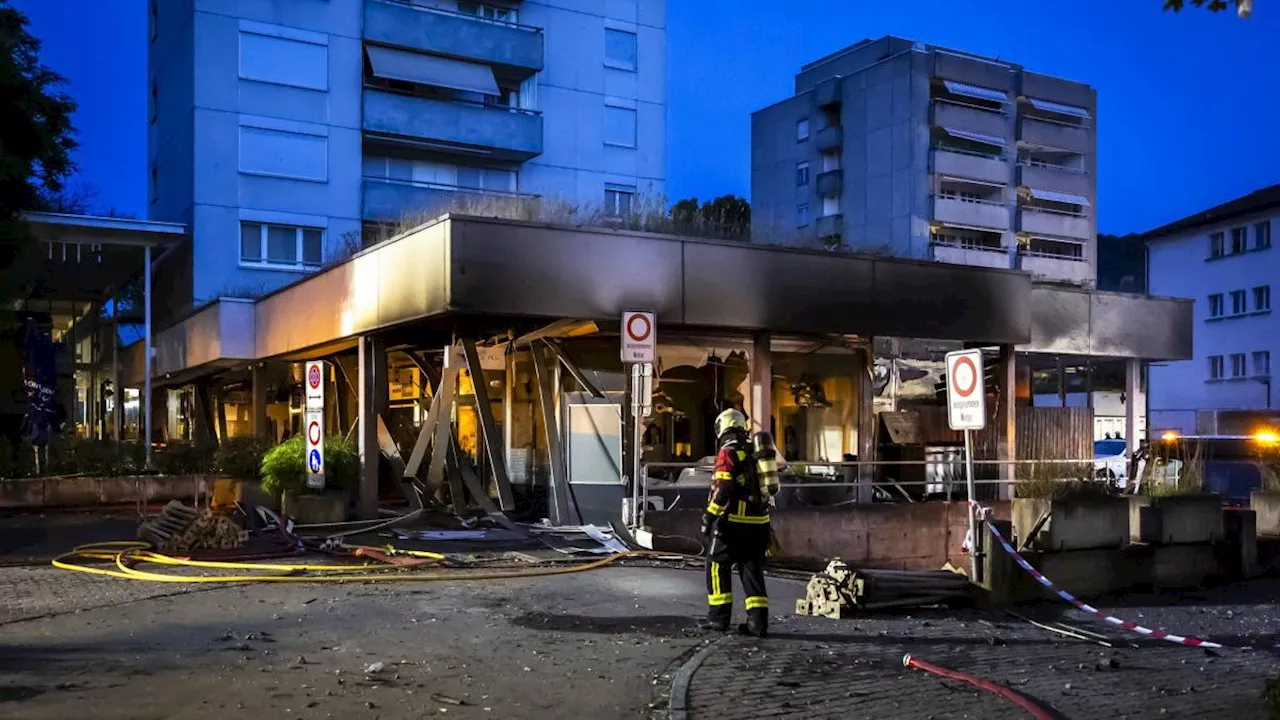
(284, 471)
(237, 464)
(184, 458)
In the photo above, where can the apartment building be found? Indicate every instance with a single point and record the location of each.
(286, 133)
(908, 149)
(1223, 259)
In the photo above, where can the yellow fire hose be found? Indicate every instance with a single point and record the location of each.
(124, 554)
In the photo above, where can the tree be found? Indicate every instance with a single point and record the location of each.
(36, 136)
(727, 217)
(1243, 7)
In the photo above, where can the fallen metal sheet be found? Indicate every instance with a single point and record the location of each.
(605, 538)
(447, 535)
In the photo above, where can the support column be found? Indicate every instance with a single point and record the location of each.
(863, 368)
(760, 402)
(202, 414)
(372, 372)
(117, 392)
(1132, 390)
(258, 375)
(147, 349)
(1007, 420)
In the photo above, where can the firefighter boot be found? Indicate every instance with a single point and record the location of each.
(755, 626)
(714, 624)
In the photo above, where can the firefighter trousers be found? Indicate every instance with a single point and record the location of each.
(744, 546)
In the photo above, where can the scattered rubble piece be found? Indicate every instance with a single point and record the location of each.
(840, 590)
(181, 528)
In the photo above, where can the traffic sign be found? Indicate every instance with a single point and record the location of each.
(314, 383)
(966, 397)
(313, 424)
(639, 337)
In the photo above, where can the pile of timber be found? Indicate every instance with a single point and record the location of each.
(841, 591)
(181, 528)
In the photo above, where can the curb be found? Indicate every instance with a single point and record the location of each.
(678, 707)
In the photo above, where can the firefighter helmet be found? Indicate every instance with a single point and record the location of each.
(731, 419)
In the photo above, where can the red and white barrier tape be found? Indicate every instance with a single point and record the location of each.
(1110, 619)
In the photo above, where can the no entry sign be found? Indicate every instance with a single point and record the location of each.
(966, 398)
(639, 337)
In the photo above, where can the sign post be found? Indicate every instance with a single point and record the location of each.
(639, 351)
(967, 411)
(313, 424)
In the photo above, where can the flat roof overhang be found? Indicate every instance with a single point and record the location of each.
(83, 257)
(476, 269)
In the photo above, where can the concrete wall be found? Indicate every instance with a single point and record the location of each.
(1179, 265)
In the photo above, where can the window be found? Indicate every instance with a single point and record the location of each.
(1262, 363)
(1239, 240)
(802, 173)
(1238, 302)
(263, 244)
(619, 49)
(1237, 365)
(1216, 245)
(802, 215)
(618, 199)
(619, 126)
(802, 130)
(488, 12)
(1262, 298)
(1262, 235)
(1215, 367)
(1215, 305)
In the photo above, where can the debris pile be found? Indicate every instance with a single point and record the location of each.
(180, 528)
(840, 591)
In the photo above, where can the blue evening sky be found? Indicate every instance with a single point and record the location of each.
(1187, 102)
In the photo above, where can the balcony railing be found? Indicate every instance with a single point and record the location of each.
(409, 24)
(388, 199)
(1025, 162)
(499, 131)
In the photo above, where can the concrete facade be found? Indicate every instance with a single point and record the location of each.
(931, 153)
(1221, 259)
(280, 129)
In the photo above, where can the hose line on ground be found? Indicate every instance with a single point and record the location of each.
(1022, 701)
(123, 554)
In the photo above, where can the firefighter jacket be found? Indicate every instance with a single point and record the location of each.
(735, 489)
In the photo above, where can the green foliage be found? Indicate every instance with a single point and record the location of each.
(184, 458)
(1210, 5)
(1175, 469)
(74, 456)
(241, 457)
(284, 467)
(1063, 481)
(35, 140)
(728, 217)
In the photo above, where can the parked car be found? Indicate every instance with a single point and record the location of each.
(1111, 461)
(1230, 462)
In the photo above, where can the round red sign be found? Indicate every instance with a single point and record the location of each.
(313, 377)
(964, 376)
(638, 328)
(313, 432)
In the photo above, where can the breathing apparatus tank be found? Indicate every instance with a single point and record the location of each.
(766, 456)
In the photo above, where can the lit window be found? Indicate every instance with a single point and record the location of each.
(620, 49)
(802, 130)
(1215, 367)
(619, 126)
(1216, 245)
(1215, 305)
(287, 246)
(802, 215)
(1237, 365)
(1262, 298)
(802, 173)
(1262, 363)
(618, 199)
(1262, 235)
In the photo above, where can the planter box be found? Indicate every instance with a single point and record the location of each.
(1072, 524)
(1176, 519)
(312, 509)
(1267, 507)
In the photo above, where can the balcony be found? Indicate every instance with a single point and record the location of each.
(971, 213)
(1055, 177)
(830, 226)
(393, 200)
(947, 113)
(1050, 134)
(453, 126)
(1039, 221)
(961, 164)
(830, 183)
(828, 94)
(830, 139)
(441, 32)
(992, 257)
(1049, 267)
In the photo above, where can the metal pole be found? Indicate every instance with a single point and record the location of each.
(117, 398)
(973, 521)
(146, 350)
(637, 387)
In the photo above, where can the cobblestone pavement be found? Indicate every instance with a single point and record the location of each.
(32, 592)
(852, 668)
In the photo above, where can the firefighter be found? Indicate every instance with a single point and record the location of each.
(736, 522)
